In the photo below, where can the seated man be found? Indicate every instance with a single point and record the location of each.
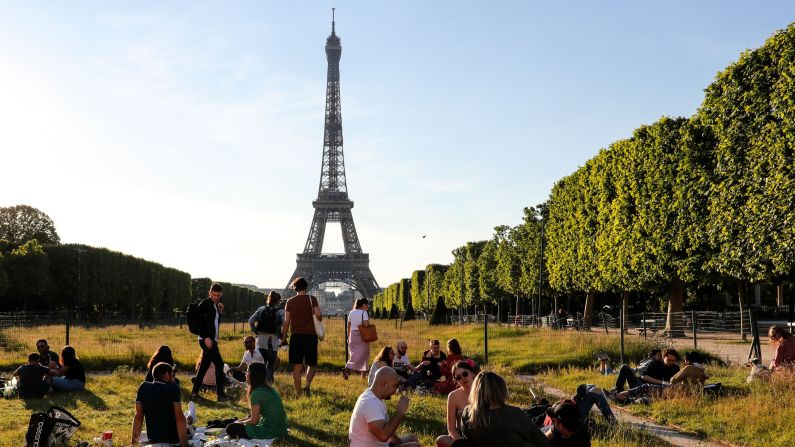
(31, 378)
(635, 376)
(159, 403)
(46, 356)
(250, 355)
(657, 376)
(567, 428)
(370, 425)
(692, 373)
(401, 363)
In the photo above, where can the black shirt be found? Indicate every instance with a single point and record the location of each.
(47, 357)
(579, 439)
(158, 399)
(30, 380)
(75, 370)
(659, 371)
(432, 371)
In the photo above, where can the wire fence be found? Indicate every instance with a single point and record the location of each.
(518, 341)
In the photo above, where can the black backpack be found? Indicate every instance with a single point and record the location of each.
(194, 318)
(268, 321)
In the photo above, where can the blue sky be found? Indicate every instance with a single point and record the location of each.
(190, 133)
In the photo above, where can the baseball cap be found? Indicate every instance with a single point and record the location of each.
(567, 413)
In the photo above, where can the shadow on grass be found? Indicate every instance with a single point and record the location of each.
(313, 433)
(67, 400)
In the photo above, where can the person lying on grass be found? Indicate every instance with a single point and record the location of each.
(464, 374)
(267, 419)
(637, 376)
(370, 425)
(657, 376)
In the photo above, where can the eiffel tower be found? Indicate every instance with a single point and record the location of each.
(333, 204)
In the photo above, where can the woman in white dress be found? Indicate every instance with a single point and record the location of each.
(359, 349)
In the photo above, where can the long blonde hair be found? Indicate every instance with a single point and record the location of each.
(488, 390)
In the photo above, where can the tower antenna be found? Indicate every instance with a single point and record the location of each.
(332, 20)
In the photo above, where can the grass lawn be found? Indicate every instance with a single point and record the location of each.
(321, 420)
(746, 414)
(104, 348)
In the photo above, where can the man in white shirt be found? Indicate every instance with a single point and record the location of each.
(250, 355)
(370, 425)
(401, 363)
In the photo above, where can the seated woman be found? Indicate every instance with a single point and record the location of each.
(163, 354)
(385, 357)
(488, 420)
(71, 376)
(453, 355)
(784, 342)
(267, 419)
(463, 373)
(208, 381)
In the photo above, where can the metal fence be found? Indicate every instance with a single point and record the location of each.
(518, 341)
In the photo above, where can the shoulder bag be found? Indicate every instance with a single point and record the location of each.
(319, 329)
(368, 333)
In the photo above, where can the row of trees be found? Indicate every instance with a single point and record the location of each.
(94, 281)
(685, 203)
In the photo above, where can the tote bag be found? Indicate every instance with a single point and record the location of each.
(368, 333)
(319, 329)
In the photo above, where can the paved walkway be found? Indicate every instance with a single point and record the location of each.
(673, 435)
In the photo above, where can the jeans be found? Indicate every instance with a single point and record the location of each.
(63, 384)
(212, 355)
(270, 356)
(592, 398)
(627, 376)
(644, 390)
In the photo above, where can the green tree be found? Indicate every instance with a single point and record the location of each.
(21, 223)
(28, 274)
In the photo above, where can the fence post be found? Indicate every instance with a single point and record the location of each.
(695, 329)
(485, 335)
(621, 326)
(68, 324)
(645, 328)
(345, 329)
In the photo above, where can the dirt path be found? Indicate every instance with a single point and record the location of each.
(674, 435)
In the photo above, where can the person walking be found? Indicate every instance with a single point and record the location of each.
(210, 310)
(298, 320)
(267, 323)
(358, 348)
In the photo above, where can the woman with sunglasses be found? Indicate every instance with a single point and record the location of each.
(267, 419)
(464, 372)
(385, 357)
(784, 342)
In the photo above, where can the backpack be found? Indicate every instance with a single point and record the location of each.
(268, 321)
(194, 318)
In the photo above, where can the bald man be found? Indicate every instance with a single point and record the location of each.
(370, 425)
(250, 355)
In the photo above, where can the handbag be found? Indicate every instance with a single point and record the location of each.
(50, 429)
(320, 331)
(368, 333)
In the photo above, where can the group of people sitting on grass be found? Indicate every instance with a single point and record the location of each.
(45, 371)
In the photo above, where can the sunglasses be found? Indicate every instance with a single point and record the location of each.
(463, 375)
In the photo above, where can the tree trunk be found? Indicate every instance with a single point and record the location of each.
(587, 316)
(624, 308)
(742, 293)
(676, 299)
(780, 295)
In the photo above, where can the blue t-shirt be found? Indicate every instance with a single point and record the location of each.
(157, 400)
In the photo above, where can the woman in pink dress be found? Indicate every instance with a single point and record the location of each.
(358, 349)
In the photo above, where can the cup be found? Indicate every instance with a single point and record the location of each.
(107, 436)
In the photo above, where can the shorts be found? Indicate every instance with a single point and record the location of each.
(303, 349)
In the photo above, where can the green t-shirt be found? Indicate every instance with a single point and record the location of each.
(273, 419)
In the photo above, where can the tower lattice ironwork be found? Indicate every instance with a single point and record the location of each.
(333, 204)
